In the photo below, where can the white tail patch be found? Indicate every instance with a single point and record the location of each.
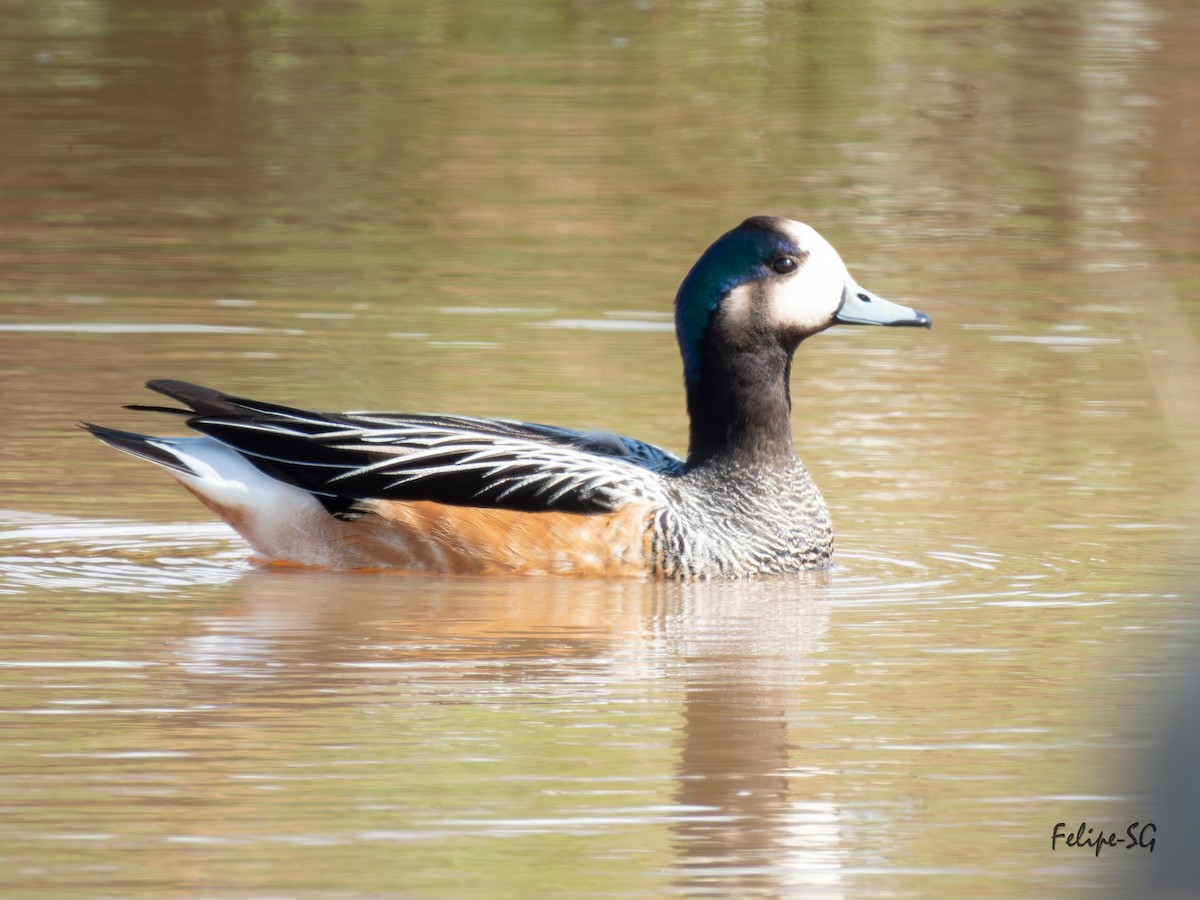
(281, 522)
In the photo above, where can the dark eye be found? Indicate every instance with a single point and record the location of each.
(785, 264)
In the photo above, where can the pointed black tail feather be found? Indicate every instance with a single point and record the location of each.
(140, 445)
(208, 402)
(169, 410)
(199, 399)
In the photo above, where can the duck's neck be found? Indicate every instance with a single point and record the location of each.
(741, 408)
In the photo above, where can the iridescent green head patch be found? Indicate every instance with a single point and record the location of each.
(738, 256)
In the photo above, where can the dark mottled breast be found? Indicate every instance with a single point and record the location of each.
(733, 522)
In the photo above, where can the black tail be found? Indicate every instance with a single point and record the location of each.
(198, 400)
(139, 445)
(202, 403)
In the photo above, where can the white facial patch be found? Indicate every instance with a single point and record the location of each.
(736, 310)
(806, 300)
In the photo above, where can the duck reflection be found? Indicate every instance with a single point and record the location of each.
(724, 665)
(749, 649)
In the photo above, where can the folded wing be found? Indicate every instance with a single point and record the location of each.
(346, 458)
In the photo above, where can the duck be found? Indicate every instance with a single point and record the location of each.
(461, 495)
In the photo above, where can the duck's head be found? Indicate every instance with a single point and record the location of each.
(772, 280)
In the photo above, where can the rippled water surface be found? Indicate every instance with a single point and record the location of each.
(486, 209)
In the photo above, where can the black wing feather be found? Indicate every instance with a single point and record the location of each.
(344, 458)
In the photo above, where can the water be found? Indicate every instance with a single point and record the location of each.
(485, 210)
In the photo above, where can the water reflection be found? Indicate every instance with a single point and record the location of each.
(756, 831)
(724, 715)
(735, 657)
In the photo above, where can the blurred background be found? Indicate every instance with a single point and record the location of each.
(486, 208)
